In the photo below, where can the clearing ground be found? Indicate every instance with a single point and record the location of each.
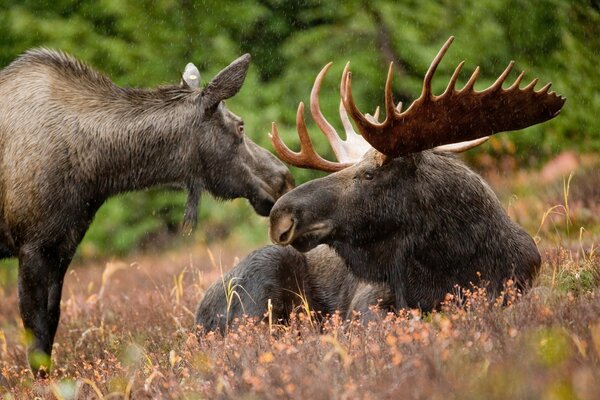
(127, 328)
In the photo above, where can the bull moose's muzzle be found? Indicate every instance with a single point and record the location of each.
(298, 225)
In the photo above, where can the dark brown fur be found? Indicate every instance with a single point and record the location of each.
(288, 278)
(420, 224)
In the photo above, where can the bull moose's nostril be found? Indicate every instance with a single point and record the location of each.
(282, 230)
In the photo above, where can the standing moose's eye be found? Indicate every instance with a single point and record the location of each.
(368, 176)
(240, 129)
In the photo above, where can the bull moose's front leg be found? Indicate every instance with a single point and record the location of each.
(34, 275)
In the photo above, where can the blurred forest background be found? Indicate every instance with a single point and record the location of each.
(146, 43)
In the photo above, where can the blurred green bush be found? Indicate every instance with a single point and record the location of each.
(146, 43)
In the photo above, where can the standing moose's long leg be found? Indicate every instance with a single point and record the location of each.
(41, 276)
(34, 272)
(61, 258)
(55, 283)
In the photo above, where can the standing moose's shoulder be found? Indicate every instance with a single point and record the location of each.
(70, 139)
(401, 211)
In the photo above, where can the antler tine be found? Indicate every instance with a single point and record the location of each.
(334, 140)
(376, 113)
(471, 82)
(462, 146)
(531, 85)
(361, 121)
(390, 109)
(346, 121)
(307, 157)
(426, 92)
(517, 81)
(545, 89)
(498, 84)
(343, 113)
(282, 150)
(373, 118)
(453, 79)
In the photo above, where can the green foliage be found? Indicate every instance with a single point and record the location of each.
(552, 346)
(146, 43)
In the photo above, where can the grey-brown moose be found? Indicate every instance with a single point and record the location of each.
(70, 138)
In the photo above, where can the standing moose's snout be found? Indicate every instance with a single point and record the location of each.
(233, 165)
(271, 178)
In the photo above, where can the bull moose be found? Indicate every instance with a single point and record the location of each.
(70, 138)
(401, 212)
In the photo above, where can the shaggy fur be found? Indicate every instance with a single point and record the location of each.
(287, 277)
(70, 138)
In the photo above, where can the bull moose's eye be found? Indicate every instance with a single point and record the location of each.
(241, 129)
(368, 175)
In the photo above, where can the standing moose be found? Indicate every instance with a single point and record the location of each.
(401, 211)
(70, 139)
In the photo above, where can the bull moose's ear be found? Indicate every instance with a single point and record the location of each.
(227, 82)
(191, 76)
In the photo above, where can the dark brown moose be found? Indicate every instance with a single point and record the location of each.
(408, 220)
(70, 139)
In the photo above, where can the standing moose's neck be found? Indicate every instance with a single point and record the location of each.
(144, 138)
(111, 139)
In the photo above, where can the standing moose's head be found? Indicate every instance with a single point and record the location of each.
(401, 209)
(229, 164)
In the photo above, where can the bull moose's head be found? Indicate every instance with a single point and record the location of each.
(386, 176)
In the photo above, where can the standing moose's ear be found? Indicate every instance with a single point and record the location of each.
(191, 76)
(227, 82)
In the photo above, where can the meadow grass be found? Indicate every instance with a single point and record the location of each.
(127, 331)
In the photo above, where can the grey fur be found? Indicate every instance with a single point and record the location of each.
(70, 138)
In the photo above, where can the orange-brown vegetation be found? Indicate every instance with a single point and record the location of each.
(127, 329)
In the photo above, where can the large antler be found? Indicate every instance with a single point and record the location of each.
(347, 151)
(454, 116)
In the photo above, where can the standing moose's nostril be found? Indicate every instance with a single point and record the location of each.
(289, 183)
(282, 230)
(284, 184)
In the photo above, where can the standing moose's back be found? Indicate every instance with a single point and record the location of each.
(70, 138)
